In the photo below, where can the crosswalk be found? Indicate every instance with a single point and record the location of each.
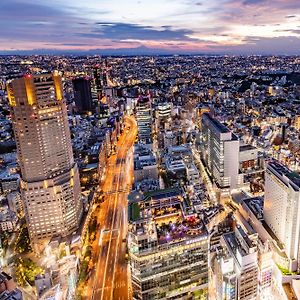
(126, 190)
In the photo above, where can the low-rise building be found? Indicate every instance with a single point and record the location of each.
(145, 163)
(43, 283)
(8, 220)
(193, 175)
(10, 183)
(8, 288)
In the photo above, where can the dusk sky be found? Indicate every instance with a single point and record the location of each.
(214, 26)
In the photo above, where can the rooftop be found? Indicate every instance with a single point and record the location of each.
(282, 170)
(247, 147)
(218, 125)
(166, 219)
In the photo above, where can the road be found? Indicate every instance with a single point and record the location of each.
(205, 177)
(111, 280)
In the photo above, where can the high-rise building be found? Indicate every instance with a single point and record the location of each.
(168, 248)
(220, 152)
(265, 266)
(144, 120)
(82, 94)
(100, 80)
(164, 110)
(50, 184)
(235, 266)
(282, 208)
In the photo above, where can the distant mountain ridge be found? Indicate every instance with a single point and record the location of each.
(142, 50)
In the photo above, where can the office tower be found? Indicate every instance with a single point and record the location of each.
(265, 266)
(282, 208)
(164, 110)
(235, 266)
(50, 184)
(100, 80)
(296, 122)
(82, 94)
(144, 120)
(168, 248)
(162, 121)
(103, 110)
(283, 132)
(145, 163)
(97, 78)
(220, 152)
(200, 110)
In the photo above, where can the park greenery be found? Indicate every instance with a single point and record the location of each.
(86, 263)
(22, 244)
(26, 270)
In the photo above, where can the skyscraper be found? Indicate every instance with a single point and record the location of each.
(82, 94)
(144, 120)
(220, 152)
(100, 80)
(50, 184)
(282, 209)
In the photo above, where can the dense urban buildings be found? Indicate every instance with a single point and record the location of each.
(185, 170)
(150, 150)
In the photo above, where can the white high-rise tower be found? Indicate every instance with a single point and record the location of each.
(282, 209)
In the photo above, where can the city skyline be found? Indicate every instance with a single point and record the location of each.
(150, 177)
(150, 27)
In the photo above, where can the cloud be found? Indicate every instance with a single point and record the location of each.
(17, 9)
(248, 12)
(252, 2)
(295, 31)
(196, 25)
(126, 31)
(258, 45)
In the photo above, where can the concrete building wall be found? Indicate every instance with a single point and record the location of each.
(50, 186)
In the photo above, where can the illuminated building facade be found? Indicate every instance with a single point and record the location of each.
(236, 266)
(144, 120)
(164, 110)
(50, 185)
(100, 80)
(265, 265)
(168, 248)
(282, 209)
(297, 122)
(220, 152)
